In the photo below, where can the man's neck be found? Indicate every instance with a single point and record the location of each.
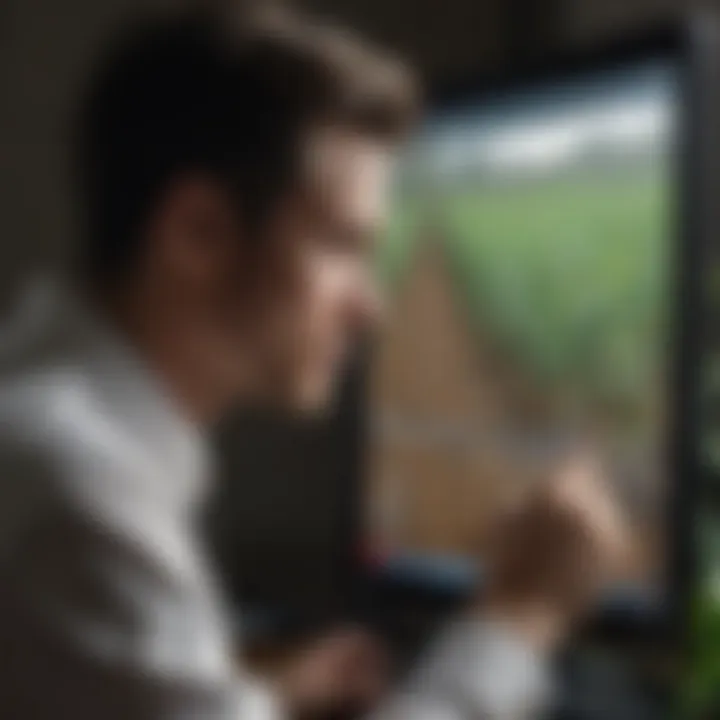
(165, 347)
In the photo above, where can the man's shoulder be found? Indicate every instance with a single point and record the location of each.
(57, 437)
(49, 411)
(63, 454)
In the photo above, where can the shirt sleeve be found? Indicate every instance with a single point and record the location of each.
(106, 608)
(107, 613)
(476, 670)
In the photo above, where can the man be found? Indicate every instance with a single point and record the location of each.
(234, 181)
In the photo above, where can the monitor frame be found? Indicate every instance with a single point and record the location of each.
(692, 45)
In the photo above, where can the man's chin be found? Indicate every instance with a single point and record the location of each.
(315, 396)
(304, 397)
(314, 401)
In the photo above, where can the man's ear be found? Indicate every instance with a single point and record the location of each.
(195, 226)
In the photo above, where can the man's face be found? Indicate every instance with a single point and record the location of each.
(314, 292)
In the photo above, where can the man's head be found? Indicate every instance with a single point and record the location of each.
(235, 182)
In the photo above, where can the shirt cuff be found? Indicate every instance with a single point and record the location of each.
(483, 666)
(259, 701)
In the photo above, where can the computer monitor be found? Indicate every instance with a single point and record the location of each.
(541, 266)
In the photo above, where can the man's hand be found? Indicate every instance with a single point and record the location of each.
(348, 670)
(555, 553)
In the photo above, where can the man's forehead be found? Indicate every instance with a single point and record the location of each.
(350, 172)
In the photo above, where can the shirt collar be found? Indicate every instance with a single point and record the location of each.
(136, 397)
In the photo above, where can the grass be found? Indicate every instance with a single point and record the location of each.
(570, 276)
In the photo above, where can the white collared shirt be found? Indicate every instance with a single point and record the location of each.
(108, 607)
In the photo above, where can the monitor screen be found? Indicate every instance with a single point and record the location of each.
(528, 268)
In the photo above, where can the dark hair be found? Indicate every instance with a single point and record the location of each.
(194, 93)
